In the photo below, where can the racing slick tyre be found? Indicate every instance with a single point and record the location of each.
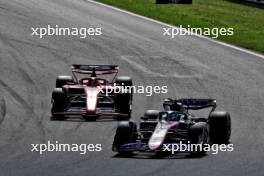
(58, 100)
(124, 99)
(198, 134)
(123, 103)
(62, 80)
(125, 133)
(124, 81)
(219, 127)
(151, 115)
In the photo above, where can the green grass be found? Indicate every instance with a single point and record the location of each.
(247, 21)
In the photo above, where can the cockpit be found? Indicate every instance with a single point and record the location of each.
(172, 116)
(93, 81)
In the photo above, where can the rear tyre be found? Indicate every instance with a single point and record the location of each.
(123, 105)
(198, 134)
(59, 101)
(63, 80)
(124, 81)
(125, 133)
(219, 127)
(124, 99)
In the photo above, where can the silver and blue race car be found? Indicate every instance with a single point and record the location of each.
(174, 125)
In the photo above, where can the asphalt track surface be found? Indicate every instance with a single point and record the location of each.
(189, 66)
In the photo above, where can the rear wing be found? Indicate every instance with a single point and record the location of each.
(98, 69)
(190, 103)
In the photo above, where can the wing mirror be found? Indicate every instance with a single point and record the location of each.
(163, 115)
(183, 119)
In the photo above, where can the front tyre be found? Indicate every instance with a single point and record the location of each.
(63, 80)
(125, 133)
(198, 134)
(59, 102)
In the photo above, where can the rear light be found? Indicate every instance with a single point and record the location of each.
(91, 99)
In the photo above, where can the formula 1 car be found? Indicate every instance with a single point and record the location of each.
(174, 125)
(89, 96)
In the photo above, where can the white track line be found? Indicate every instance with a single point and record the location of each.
(168, 25)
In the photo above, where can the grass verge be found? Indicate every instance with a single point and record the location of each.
(247, 21)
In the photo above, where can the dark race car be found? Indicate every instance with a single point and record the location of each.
(90, 94)
(174, 125)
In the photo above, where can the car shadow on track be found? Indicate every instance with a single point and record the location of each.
(159, 156)
(83, 120)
